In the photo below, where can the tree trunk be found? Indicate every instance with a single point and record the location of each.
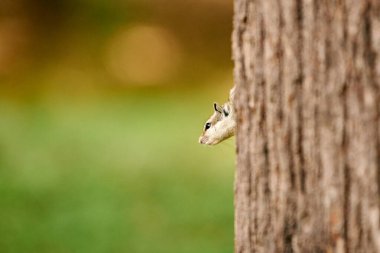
(308, 138)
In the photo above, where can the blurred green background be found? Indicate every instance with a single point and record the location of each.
(101, 106)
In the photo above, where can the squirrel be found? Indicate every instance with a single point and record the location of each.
(222, 123)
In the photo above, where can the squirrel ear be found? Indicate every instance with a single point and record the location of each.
(217, 108)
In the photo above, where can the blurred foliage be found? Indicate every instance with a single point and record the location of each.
(42, 39)
(101, 105)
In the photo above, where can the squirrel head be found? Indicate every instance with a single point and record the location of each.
(220, 126)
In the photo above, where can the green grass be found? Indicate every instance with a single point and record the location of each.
(117, 174)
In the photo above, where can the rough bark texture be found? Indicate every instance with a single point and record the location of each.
(308, 138)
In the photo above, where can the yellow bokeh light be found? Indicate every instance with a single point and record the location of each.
(13, 41)
(143, 55)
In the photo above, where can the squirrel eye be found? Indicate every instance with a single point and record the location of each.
(207, 126)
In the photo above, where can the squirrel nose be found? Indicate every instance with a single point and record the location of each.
(203, 139)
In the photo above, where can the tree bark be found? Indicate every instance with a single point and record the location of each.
(308, 135)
